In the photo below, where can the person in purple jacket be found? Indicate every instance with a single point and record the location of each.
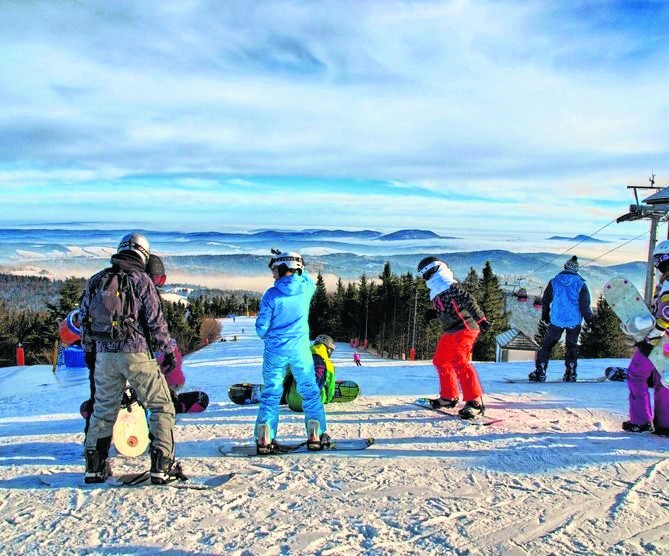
(641, 373)
(121, 320)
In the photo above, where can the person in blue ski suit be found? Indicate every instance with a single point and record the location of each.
(566, 302)
(283, 324)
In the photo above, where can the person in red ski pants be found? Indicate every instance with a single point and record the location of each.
(462, 320)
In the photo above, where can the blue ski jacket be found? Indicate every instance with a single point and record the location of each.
(283, 316)
(566, 300)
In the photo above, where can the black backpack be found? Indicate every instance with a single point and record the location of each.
(112, 308)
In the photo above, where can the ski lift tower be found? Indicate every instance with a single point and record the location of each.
(654, 208)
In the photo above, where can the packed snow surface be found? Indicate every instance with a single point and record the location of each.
(556, 474)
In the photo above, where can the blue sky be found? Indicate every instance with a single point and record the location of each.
(450, 116)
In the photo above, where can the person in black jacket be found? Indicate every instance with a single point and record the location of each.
(462, 320)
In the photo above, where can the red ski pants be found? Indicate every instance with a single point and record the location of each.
(453, 362)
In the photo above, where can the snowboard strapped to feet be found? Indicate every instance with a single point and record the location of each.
(477, 420)
(284, 448)
(143, 479)
(554, 381)
(246, 393)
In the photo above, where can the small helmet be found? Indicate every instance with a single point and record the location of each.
(290, 259)
(661, 255)
(156, 269)
(137, 243)
(326, 341)
(428, 267)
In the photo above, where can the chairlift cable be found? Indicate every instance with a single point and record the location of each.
(572, 247)
(616, 248)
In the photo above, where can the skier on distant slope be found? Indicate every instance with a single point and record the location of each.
(283, 324)
(462, 319)
(566, 302)
(641, 373)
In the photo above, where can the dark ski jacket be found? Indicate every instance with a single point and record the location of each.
(148, 314)
(457, 310)
(566, 300)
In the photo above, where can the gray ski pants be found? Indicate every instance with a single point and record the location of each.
(144, 376)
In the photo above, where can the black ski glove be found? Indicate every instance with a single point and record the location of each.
(89, 359)
(169, 363)
(430, 314)
(644, 348)
(485, 325)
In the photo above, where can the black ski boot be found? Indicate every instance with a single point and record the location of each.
(538, 374)
(164, 469)
(264, 445)
(445, 403)
(631, 427)
(569, 373)
(97, 466)
(472, 410)
(315, 439)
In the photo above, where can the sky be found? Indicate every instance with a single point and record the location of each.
(452, 116)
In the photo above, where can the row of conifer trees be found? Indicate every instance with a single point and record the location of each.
(390, 313)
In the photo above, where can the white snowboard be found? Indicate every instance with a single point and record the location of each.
(637, 320)
(131, 431)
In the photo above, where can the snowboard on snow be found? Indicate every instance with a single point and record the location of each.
(246, 393)
(76, 480)
(616, 374)
(636, 320)
(190, 402)
(554, 381)
(185, 402)
(285, 448)
(482, 421)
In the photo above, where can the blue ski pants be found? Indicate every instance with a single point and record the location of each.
(297, 354)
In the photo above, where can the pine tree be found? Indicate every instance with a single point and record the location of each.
(472, 284)
(319, 311)
(604, 338)
(491, 300)
(335, 324)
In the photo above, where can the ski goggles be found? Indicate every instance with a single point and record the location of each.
(429, 270)
(159, 280)
(657, 259)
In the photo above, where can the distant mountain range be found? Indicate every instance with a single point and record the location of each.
(580, 238)
(348, 254)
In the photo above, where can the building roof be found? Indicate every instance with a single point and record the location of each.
(659, 198)
(515, 339)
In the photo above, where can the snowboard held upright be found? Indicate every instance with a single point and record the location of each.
(637, 320)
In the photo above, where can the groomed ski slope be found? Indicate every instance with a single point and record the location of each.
(556, 476)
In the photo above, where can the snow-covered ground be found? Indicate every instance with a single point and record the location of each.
(555, 476)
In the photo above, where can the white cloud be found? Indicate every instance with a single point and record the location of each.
(520, 103)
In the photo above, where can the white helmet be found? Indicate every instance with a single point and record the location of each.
(137, 243)
(661, 253)
(291, 259)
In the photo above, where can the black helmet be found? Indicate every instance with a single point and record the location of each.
(156, 269)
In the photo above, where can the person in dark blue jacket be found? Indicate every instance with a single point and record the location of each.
(283, 323)
(566, 302)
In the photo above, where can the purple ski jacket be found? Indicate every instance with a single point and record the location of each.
(148, 313)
